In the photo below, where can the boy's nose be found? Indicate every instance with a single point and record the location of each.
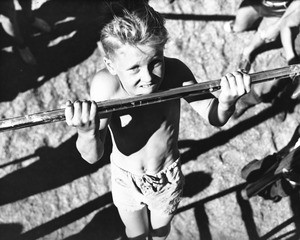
(146, 76)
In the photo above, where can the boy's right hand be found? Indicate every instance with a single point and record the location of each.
(82, 115)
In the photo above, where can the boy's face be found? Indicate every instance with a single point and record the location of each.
(140, 69)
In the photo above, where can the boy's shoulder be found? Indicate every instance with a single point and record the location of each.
(104, 86)
(177, 73)
(173, 62)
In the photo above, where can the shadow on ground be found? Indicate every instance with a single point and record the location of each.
(63, 164)
(52, 171)
(76, 27)
(55, 167)
(198, 147)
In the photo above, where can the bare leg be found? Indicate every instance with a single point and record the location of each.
(245, 17)
(288, 35)
(136, 223)
(289, 30)
(161, 225)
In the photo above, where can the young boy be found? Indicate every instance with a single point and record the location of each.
(147, 180)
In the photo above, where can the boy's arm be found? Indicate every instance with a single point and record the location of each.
(91, 145)
(233, 86)
(218, 110)
(91, 130)
(218, 107)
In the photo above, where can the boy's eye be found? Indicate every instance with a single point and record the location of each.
(134, 69)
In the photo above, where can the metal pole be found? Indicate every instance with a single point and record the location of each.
(109, 106)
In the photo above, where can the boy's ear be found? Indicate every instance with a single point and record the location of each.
(109, 65)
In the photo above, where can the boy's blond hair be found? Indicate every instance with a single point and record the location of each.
(134, 23)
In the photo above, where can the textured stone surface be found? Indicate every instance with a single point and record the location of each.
(48, 192)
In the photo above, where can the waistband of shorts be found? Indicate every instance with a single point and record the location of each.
(173, 165)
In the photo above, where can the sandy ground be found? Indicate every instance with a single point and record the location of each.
(48, 192)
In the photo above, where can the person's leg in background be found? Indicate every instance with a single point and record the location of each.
(246, 16)
(289, 31)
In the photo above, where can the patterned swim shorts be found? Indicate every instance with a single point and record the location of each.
(160, 192)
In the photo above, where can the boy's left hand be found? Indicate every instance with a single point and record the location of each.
(233, 86)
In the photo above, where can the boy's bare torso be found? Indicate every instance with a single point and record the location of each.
(145, 138)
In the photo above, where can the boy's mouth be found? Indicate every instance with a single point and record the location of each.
(147, 85)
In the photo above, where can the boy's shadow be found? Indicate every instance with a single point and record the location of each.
(76, 28)
(106, 224)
